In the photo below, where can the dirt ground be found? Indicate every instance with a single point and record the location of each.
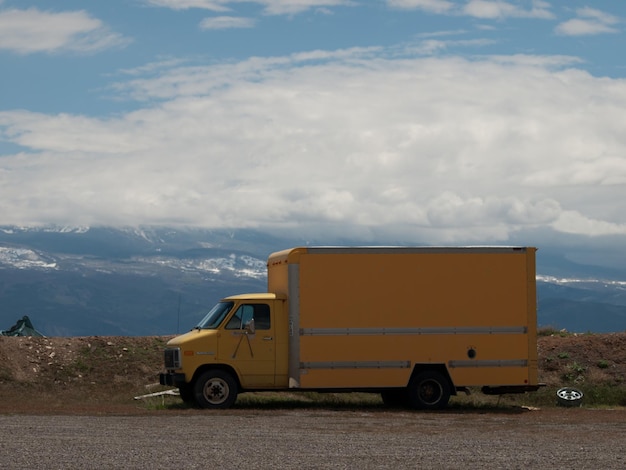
(68, 403)
(317, 439)
(76, 375)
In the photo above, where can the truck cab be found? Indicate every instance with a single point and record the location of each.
(240, 345)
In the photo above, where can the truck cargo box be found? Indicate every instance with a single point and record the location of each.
(368, 317)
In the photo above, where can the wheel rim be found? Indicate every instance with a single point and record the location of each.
(430, 392)
(216, 391)
(569, 394)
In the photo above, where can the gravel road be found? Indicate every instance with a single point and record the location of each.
(565, 438)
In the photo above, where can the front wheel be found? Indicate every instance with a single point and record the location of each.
(429, 390)
(215, 389)
(187, 394)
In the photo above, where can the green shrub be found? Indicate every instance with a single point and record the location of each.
(575, 373)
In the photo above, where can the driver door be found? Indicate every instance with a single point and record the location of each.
(248, 342)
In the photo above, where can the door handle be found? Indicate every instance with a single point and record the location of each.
(267, 338)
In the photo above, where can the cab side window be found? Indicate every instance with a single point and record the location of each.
(262, 317)
(259, 312)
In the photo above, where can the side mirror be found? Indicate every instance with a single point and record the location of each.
(250, 327)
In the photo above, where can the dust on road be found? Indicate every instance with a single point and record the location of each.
(562, 438)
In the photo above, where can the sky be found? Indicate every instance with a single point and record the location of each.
(438, 121)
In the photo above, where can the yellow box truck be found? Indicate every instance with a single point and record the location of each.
(415, 324)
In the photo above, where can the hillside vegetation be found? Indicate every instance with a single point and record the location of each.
(71, 374)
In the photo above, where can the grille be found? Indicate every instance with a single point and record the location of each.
(172, 358)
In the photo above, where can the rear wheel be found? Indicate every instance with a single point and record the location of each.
(429, 390)
(215, 389)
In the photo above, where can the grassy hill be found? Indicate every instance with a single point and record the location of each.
(102, 375)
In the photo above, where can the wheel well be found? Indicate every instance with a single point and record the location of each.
(441, 368)
(200, 370)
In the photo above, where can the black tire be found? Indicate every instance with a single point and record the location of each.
(429, 390)
(570, 397)
(215, 389)
(395, 397)
(187, 394)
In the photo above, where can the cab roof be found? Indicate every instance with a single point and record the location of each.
(256, 296)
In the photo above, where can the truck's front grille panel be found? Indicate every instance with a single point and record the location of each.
(172, 358)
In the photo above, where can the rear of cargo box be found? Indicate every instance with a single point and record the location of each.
(366, 318)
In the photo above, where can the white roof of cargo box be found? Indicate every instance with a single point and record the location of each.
(406, 249)
(292, 254)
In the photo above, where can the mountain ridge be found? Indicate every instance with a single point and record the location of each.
(155, 281)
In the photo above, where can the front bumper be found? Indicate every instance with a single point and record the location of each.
(172, 379)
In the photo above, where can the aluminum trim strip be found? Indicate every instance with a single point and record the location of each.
(356, 365)
(490, 363)
(293, 273)
(463, 330)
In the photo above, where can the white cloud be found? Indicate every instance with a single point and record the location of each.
(499, 9)
(272, 7)
(597, 15)
(575, 222)
(446, 149)
(227, 22)
(281, 7)
(449, 209)
(589, 22)
(484, 9)
(30, 31)
(213, 5)
(433, 6)
(434, 46)
(154, 67)
(197, 80)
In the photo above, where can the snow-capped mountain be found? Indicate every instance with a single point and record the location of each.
(144, 281)
(25, 258)
(105, 281)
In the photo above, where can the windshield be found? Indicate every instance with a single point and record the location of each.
(213, 319)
